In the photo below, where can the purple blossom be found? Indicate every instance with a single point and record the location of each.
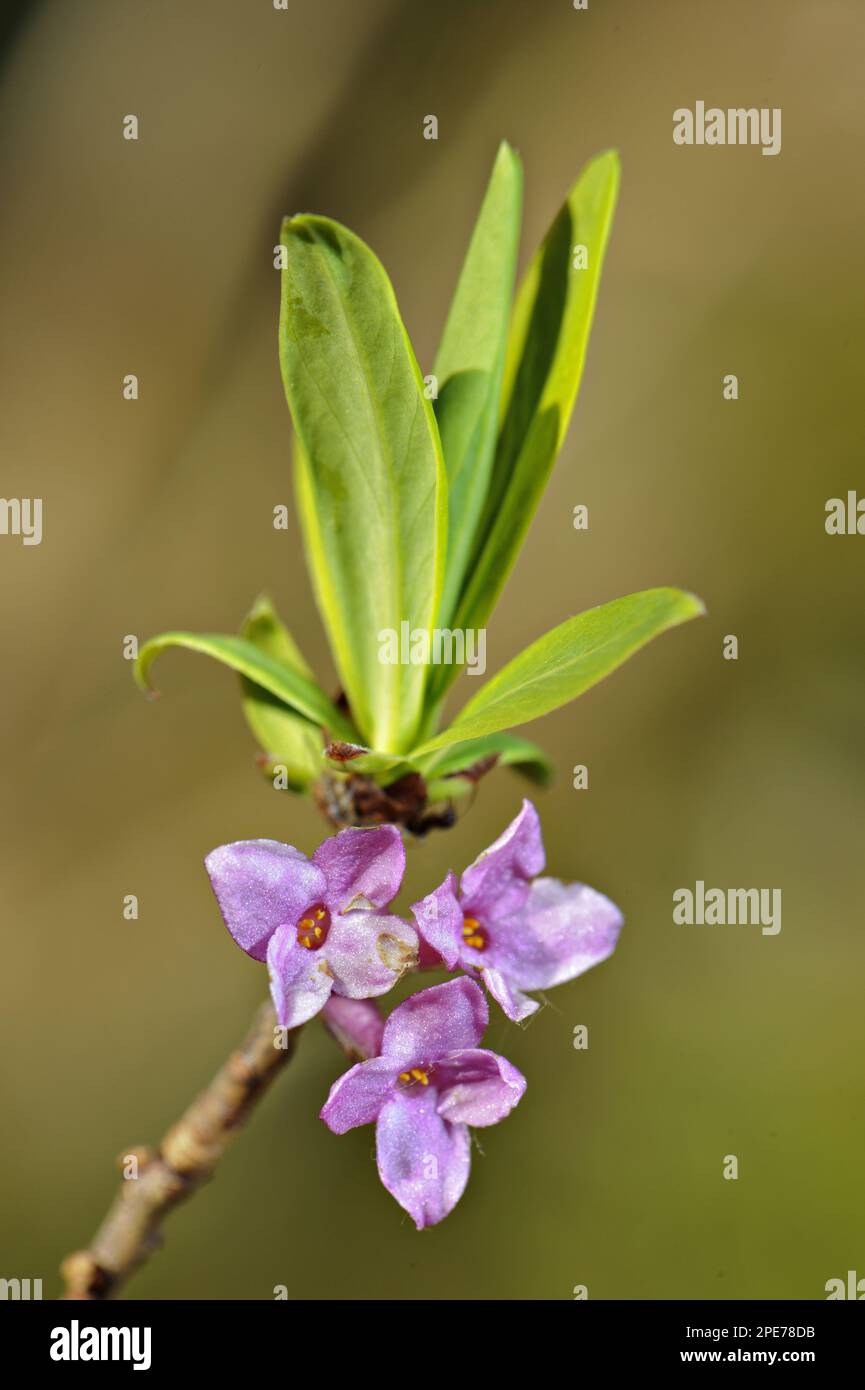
(319, 924)
(356, 1024)
(513, 930)
(430, 1082)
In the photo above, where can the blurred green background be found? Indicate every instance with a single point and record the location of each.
(155, 258)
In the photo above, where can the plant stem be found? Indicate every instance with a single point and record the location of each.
(186, 1158)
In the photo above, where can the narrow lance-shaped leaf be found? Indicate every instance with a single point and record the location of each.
(470, 364)
(508, 750)
(545, 356)
(384, 768)
(287, 740)
(566, 661)
(296, 690)
(371, 482)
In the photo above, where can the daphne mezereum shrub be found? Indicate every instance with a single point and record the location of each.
(414, 495)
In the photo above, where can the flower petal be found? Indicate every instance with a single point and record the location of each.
(439, 920)
(300, 981)
(368, 952)
(436, 1021)
(497, 882)
(259, 885)
(359, 1094)
(362, 864)
(563, 929)
(423, 1160)
(516, 1005)
(477, 1087)
(356, 1024)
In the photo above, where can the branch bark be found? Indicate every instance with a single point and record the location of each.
(186, 1158)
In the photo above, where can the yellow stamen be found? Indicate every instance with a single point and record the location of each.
(474, 934)
(318, 932)
(319, 913)
(417, 1074)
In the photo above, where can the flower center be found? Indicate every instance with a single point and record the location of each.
(474, 934)
(313, 927)
(416, 1076)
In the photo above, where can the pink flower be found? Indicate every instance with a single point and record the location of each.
(319, 923)
(513, 930)
(430, 1082)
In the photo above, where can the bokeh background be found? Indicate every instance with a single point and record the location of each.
(155, 258)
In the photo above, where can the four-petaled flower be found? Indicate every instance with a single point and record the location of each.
(513, 930)
(429, 1083)
(318, 923)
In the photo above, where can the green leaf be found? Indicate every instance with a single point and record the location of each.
(288, 740)
(448, 789)
(566, 661)
(470, 365)
(546, 351)
(509, 750)
(290, 686)
(371, 484)
(384, 768)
